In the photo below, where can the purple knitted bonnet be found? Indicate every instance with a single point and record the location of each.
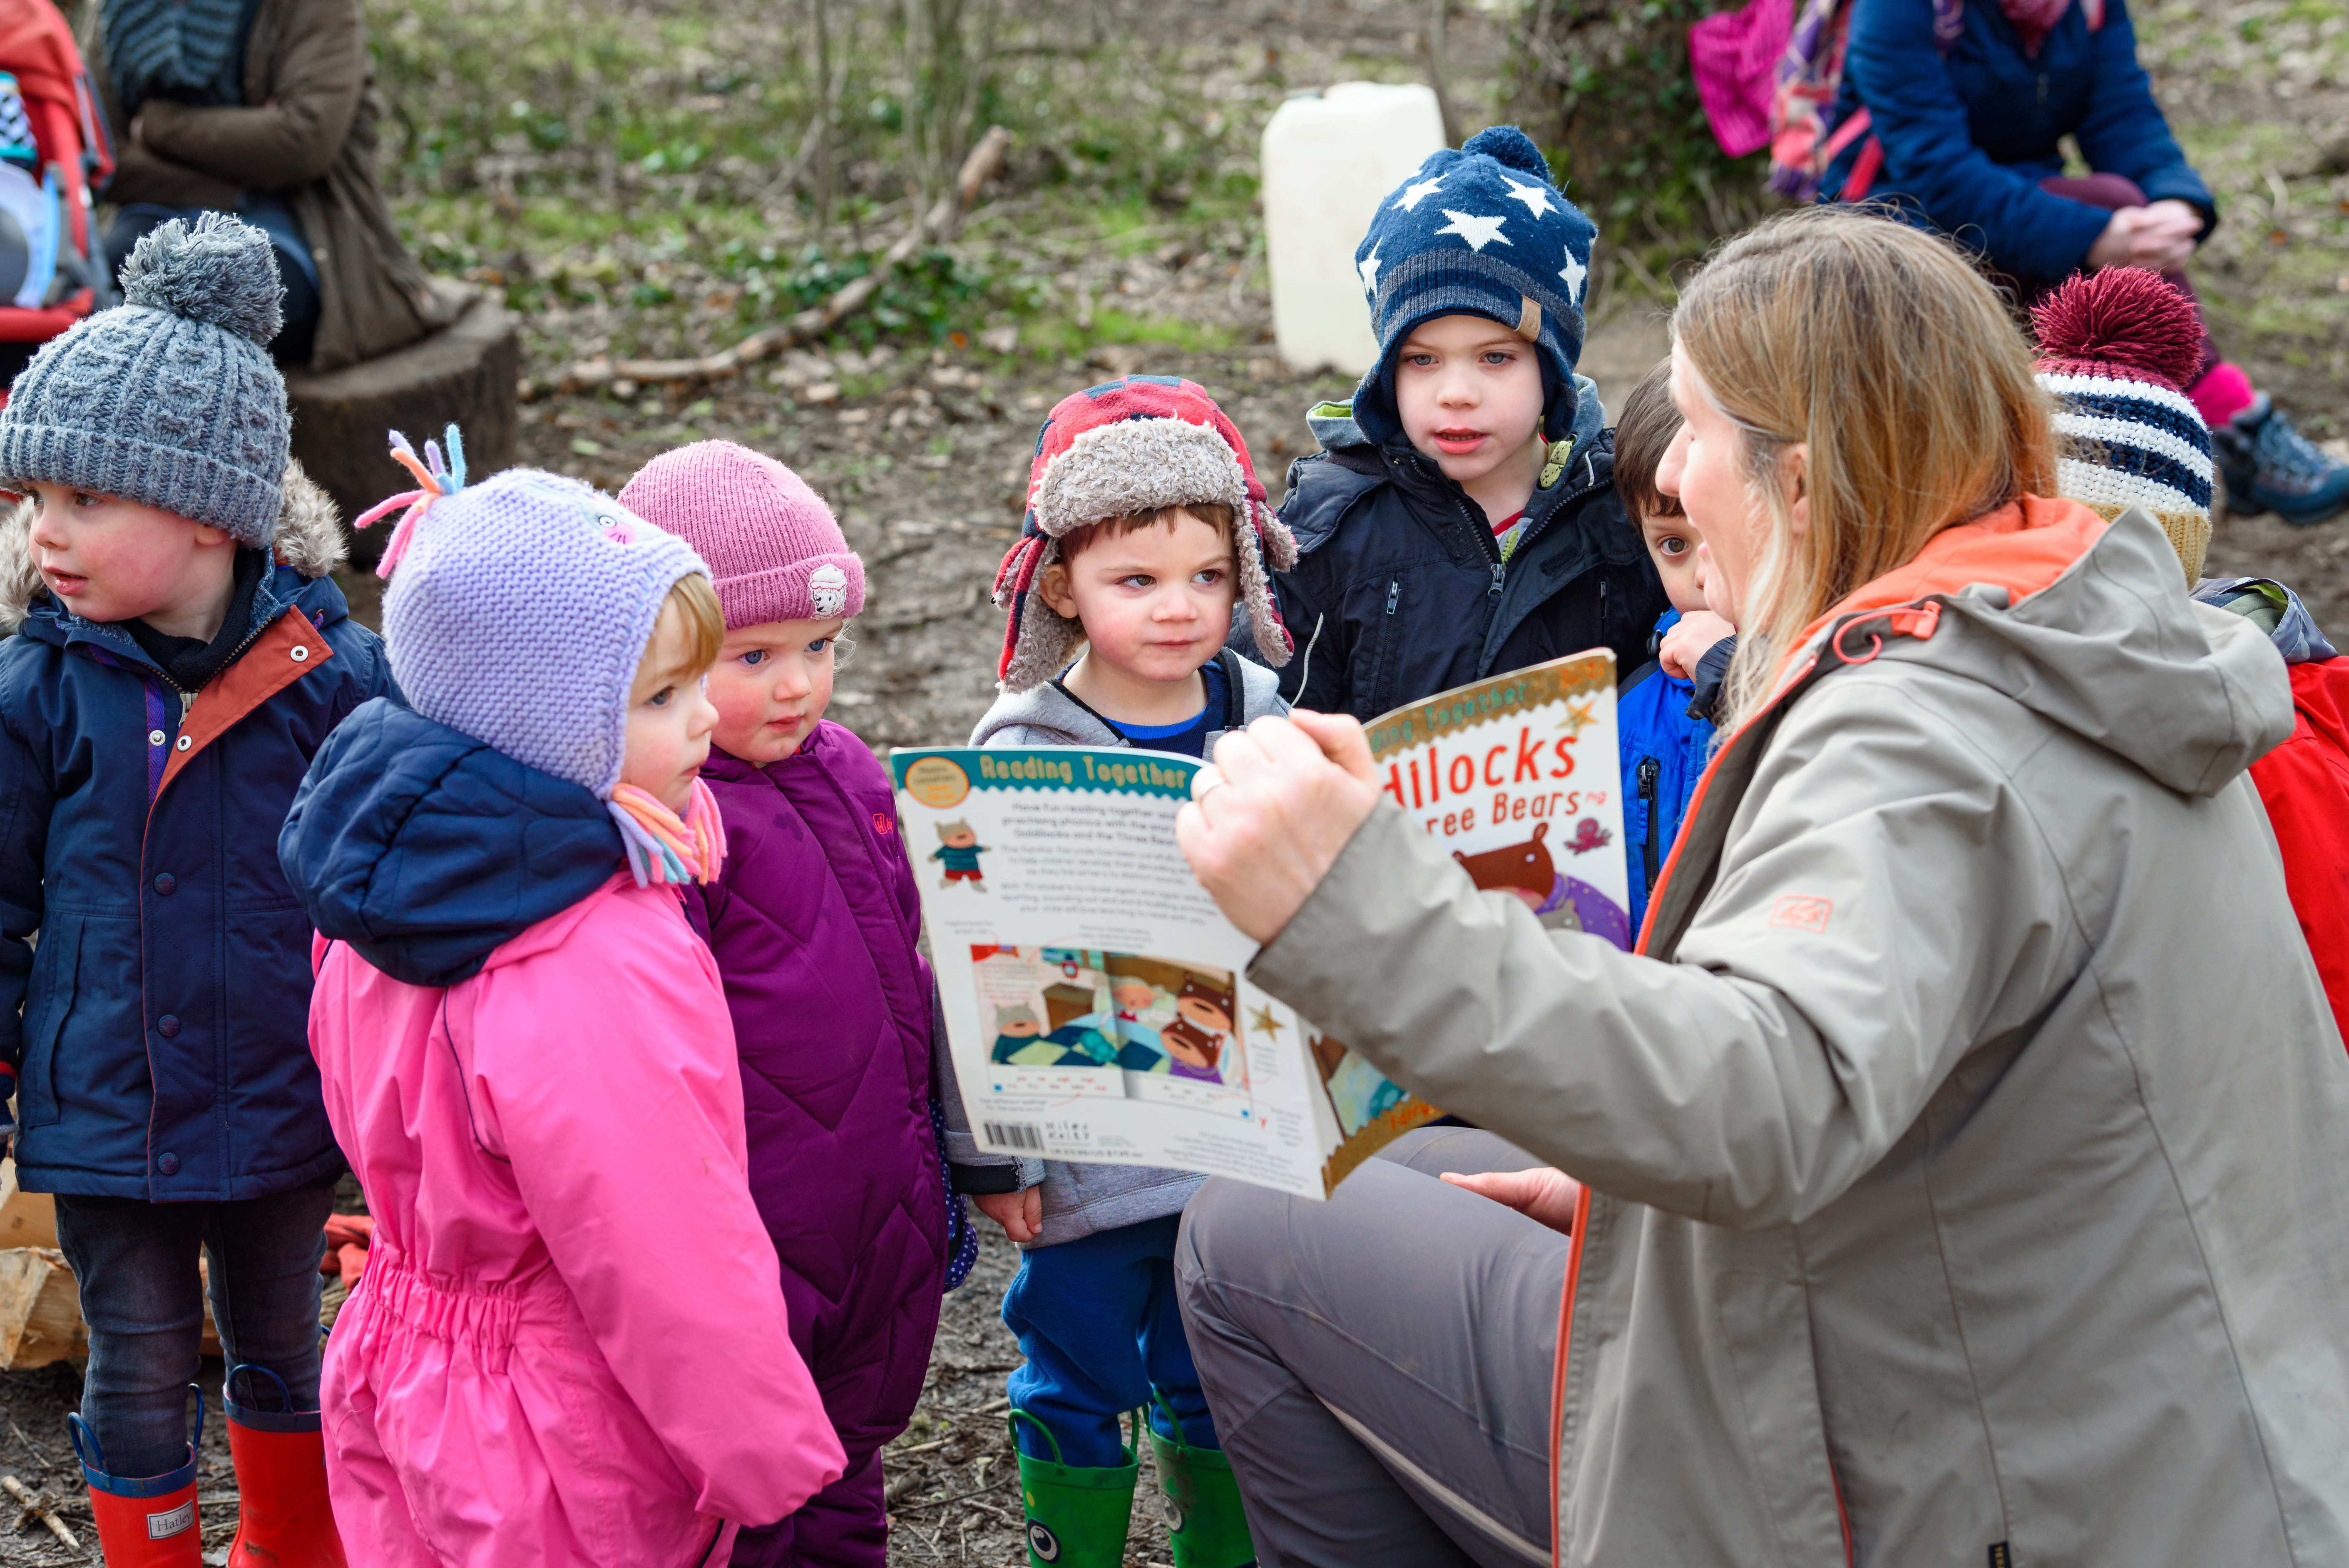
(518, 612)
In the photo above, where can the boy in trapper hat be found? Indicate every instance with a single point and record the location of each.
(1461, 521)
(181, 656)
(1145, 527)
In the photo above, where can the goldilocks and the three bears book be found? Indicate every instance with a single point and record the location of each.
(1097, 1002)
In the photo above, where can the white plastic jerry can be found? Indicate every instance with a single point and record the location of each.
(1327, 161)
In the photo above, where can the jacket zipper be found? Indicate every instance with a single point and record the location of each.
(1648, 769)
(1395, 593)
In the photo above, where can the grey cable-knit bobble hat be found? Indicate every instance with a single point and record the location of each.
(170, 398)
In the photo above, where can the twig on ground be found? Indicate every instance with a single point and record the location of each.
(985, 160)
(40, 1510)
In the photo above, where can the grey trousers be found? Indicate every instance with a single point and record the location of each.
(1379, 1365)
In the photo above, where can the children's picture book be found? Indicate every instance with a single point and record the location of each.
(1097, 1003)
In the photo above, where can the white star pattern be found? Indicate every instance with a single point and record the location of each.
(1418, 191)
(1535, 197)
(1369, 267)
(1479, 232)
(1574, 273)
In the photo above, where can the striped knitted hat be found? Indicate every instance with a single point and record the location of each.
(2116, 348)
(1124, 447)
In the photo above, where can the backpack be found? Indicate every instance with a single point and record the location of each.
(54, 148)
(1804, 137)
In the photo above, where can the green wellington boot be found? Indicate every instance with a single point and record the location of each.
(1076, 1517)
(1205, 1523)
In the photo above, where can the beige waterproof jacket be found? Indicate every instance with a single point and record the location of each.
(1970, 1179)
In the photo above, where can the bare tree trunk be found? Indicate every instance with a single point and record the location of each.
(1439, 16)
(825, 88)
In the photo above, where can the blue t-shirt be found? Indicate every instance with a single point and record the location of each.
(1190, 735)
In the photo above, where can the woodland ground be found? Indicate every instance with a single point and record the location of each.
(613, 169)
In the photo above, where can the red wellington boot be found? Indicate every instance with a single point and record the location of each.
(283, 1518)
(143, 1523)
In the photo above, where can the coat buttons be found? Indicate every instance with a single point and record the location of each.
(184, 742)
(167, 1026)
(167, 884)
(168, 1164)
(301, 652)
(155, 738)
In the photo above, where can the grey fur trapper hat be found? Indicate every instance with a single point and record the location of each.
(170, 398)
(1127, 447)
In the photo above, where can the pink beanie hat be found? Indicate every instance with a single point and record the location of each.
(774, 552)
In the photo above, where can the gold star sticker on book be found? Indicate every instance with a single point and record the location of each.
(1578, 714)
(1261, 1020)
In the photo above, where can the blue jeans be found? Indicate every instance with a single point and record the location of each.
(136, 1264)
(1100, 1325)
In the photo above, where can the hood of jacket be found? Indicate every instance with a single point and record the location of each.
(2274, 609)
(2086, 625)
(1330, 488)
(1047, 715)
(309, 543)
(426, 849)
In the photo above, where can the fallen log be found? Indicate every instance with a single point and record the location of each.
(27, 1219)
(986, 161)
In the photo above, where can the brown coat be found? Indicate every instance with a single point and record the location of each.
(311, 135)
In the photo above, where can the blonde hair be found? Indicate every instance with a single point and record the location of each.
(704, 619)
(1879, 347)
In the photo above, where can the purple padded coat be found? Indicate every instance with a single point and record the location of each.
(813, 923)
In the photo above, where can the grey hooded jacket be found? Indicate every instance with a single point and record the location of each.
(1969, 1181)
(1080, 1199)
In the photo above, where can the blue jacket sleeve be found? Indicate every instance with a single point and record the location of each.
(25, 800)
(1930, 154)
(2125, 131)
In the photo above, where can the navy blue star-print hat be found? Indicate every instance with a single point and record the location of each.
(1479, 232)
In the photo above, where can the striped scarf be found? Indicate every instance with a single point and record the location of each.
(665, 849)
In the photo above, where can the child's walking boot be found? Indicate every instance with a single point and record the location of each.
(146, 1522)
(284, 1518)
(1076, 1517)
(1205, 1526)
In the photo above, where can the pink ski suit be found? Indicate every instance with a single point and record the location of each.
(569, 1346)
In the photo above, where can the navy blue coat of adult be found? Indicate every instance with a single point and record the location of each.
(1399, 592)
(1969, 134)
(163, 1046)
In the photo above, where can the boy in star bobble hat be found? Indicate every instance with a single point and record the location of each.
(1461, 521)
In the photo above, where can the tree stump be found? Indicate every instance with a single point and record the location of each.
(467, 372)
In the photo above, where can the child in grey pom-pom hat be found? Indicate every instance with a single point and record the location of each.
(180, 654)
(1461, 520)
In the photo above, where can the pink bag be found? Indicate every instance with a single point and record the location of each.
(1735, 57)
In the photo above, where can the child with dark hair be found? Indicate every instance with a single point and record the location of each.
(1461, 521)
(1662, 714)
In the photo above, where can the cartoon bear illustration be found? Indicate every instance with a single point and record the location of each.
(1201, 1030)
(828, 591)
(960, 848)
(1524, 869)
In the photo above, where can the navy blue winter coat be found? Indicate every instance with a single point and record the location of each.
(163, 1047)
(1399, 592)
(1969, 135)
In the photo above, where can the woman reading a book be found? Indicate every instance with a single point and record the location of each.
(1888, 1206)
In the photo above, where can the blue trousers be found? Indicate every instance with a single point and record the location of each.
(1101, 1327)
(136, 1264)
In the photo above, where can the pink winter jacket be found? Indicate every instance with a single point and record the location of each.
(569, 1346)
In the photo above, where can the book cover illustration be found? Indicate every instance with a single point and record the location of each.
(1519, 778)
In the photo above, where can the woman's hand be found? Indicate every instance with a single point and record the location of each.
(1021, 1214)
(1690, 638)
(2160, 237)
(1268, 818)
(1545, 1193)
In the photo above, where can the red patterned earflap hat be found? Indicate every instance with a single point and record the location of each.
(1128, 447)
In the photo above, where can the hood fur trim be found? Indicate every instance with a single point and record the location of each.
(1136, 466)
(309, 540)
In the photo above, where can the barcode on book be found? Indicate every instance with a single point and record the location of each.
(1014, 1135)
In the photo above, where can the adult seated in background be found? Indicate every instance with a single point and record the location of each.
(1965, 1161)
(266, 108)
(1965, 132)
